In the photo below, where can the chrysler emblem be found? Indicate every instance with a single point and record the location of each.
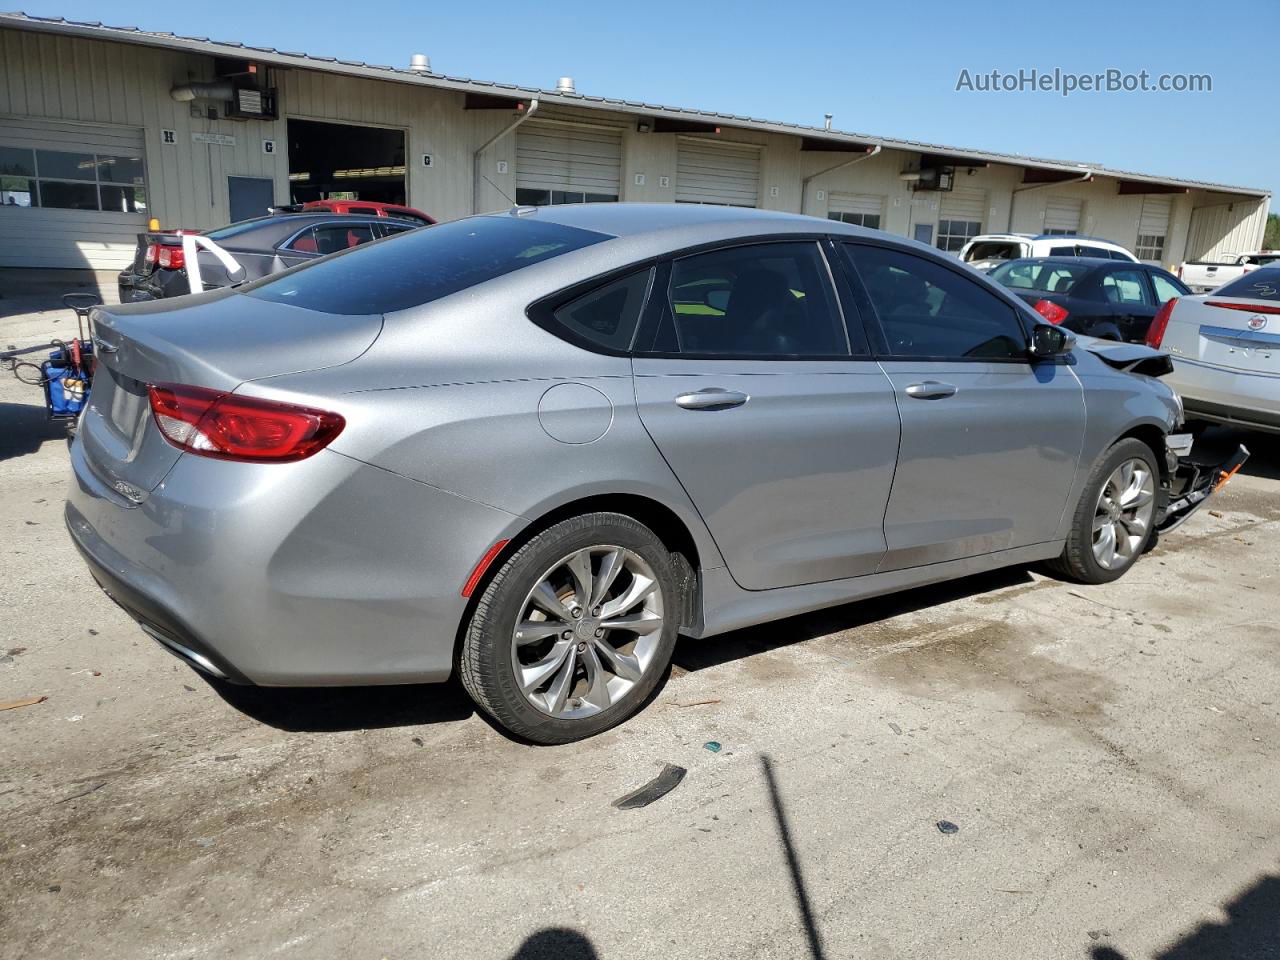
(1257, 322)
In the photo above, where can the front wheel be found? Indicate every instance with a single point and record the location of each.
(1115, 519)
(575, 630)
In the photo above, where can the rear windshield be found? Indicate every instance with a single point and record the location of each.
(1044, 275)
(994, 250)
(419, 266)
(235, 229)
(1261, 284)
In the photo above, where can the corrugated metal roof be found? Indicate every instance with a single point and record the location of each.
(359, 68)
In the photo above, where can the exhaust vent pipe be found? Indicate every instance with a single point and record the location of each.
(420, 63)
(565, 85)
(213, 90)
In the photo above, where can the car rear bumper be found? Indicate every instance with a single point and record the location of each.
(1227, 396)
(333, 574)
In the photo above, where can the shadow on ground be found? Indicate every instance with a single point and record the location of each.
(333, 709)
(25, 428)
(696, 654)
(556, 943)
(1251, 930)
(1219, 443)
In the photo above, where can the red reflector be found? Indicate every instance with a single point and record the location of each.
(1051, 311)
(171, 258)
(1247, 307)
(489, 556)
(211, 423)
(1160, 323)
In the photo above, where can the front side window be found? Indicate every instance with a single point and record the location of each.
(422, 265)
(1043, 275)
(764, 301)
(67, 180)
(1125, 287)
(1166, 288)
(1150, 247)
(954, 234)
(928, 311)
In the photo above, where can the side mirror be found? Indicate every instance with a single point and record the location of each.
(1048, 341)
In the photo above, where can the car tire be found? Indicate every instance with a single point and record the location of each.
(532, 612)
(1103, 507)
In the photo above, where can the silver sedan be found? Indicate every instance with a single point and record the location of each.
(531, 448)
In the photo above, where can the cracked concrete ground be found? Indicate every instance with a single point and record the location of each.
(1111, 756)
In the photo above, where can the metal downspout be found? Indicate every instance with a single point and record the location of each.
(1013, 197)
(476, 177)
(804, 184)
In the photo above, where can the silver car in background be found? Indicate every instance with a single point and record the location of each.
(533, 447)
(1225, 347)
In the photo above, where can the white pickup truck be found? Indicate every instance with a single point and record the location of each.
(1202, 276)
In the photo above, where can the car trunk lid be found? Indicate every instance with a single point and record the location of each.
(217, 340)
(1239, 334)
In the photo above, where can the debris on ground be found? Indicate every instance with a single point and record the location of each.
(24, 702)
(693, 703)
(895, 728)
(1215, 513)
(712, 745)
(655, 789)
(946, 826)
(84, 791)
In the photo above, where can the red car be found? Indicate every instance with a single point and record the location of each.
(367, 207)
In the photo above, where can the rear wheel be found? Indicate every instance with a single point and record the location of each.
(1115, 519)
(575, 630)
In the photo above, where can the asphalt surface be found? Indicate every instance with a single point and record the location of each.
(1110, 756)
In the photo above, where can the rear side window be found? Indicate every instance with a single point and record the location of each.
(762, 301)
(928, 311)
(1166, 288)
(605, 317)
(1121, 255)
(1093, 252)
(1256, 285)
(994, 250)
(331, 237)
(1125, 287)
(1062, 251)
(422, 265)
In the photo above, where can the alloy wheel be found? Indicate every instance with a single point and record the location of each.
(587, 631)
(1126, 506)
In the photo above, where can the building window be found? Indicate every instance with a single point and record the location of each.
(527, 197)
(59, 179)
(1058, 232)
(1150, 247)
(954, 234)
(870, 220)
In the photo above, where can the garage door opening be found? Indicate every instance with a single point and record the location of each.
(342, 161)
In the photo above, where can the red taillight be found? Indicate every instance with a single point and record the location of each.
(171, 258)
(1246, 307)
(1160, 323)
(1051, 311)
(153, 251)
(211, 423)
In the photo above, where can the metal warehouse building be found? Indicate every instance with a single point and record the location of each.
(102, 128)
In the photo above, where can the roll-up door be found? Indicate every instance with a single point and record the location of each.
(708, 172)
(71, 195)
(1062, 215)
(567, 163)
(960, 216)
(863, 209)
(1153, 228)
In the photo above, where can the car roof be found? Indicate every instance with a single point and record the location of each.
(1075, 261)
(637, 219)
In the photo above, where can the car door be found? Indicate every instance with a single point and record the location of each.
(1133, 305)
(783, 436)
(990, 440)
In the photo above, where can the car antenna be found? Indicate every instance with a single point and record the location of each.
(498, 188)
